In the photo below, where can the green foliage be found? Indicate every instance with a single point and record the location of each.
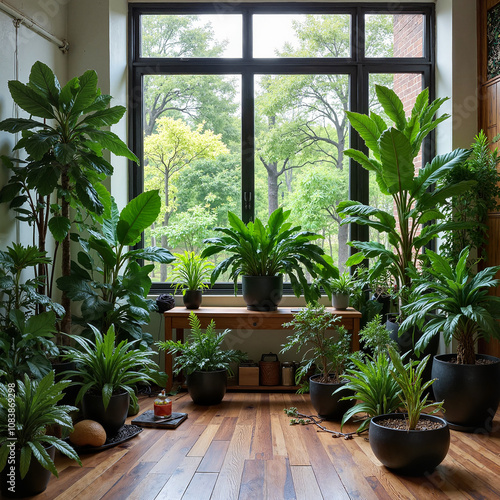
(409, 379)
(202, 350)
(452, 301)
(25, 336)
(375, 389)
(342, 285)
(393, 152)
(190, 272)
(376, 337)
(35, 408)
(107, 369)
(472, 206)
(65, 162)
(329, 353)
(108, 279)
(268, 250)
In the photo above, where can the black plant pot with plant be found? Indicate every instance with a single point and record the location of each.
(328, 403)
(262, 293)
(204, 361)
(113, 416)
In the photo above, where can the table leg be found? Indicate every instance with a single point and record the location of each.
(168, 357)
(355, 335)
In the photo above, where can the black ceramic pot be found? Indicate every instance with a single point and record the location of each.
(409, 452)
(262, 293)
(327, 404)
(207, 388)
(113, 417)
(192, 299)
(35, 481)
(471, 393)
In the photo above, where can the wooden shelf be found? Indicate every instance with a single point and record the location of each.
(263, 388)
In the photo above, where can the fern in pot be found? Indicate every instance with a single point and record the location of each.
(204, 361)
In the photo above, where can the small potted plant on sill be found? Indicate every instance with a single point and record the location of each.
(261, 254)
(205, 362)
(26, 448)
(342, 288)
(191, 274)
(453, 302)
(329, 353)
(413, 442)
(107, 375)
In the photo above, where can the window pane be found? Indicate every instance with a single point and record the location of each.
(394, 35)
(294, 35)
(191, 36)
(192, 155)
(407, 86)
(301, 133)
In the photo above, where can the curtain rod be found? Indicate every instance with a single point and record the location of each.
(62, 44)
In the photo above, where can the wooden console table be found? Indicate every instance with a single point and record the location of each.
(240, 318)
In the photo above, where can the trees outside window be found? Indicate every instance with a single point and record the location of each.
(243, 109)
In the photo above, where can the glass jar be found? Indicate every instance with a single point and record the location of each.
(162, 406)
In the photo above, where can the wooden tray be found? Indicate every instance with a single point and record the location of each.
(146, 419)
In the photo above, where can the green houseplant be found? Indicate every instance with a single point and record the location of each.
(64, 141)
(191, 274)
(108, 374)
(413, 442)
(107, 277)
(341, 289)
(261, 254)
(454, 302)
(329, 354)
(26, 338)
(27, 461)
(204, 360)
(415, 218)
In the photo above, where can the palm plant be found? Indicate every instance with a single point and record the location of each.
(202, 351)
(107, 369)
(269, 250)
(375, 389)
(409, 223)
(35, 406)
(190, 271)
(64, 141)
(452, 301)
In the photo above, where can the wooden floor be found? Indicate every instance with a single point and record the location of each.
(245, 448)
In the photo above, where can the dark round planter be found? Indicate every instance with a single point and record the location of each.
(192, 299)
(471, 393)
(34, 482)
(207, 388)
(262, 293)
(113, 417)
(409, 452)
(327, 404)
(340, 301)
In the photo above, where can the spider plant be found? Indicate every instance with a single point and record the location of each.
(190, 272)
(35, 406)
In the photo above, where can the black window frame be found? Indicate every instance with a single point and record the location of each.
(358, 67)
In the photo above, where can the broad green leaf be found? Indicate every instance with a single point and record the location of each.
(87, 91)
(43, 80)
(397, 160)
(111, 141)
(59, 227)
(29, 100)
(392, 105)
(367, 129)
(14, 125)
(105, 117)
(363, 160)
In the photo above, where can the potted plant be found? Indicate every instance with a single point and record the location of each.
(26, 338)
(261, 254)
(413, 442)
(64, 139)
(328, 353)
(408, 223)
(28, 409)
(341, 289)
(107, 277)
(457, 304)
(107, 374)
(206, 364)
(190, 274)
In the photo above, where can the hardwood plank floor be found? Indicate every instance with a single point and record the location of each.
(245, 448)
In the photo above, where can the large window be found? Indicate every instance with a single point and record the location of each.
(242, 107)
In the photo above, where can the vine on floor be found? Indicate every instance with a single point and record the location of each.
(302, 419)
